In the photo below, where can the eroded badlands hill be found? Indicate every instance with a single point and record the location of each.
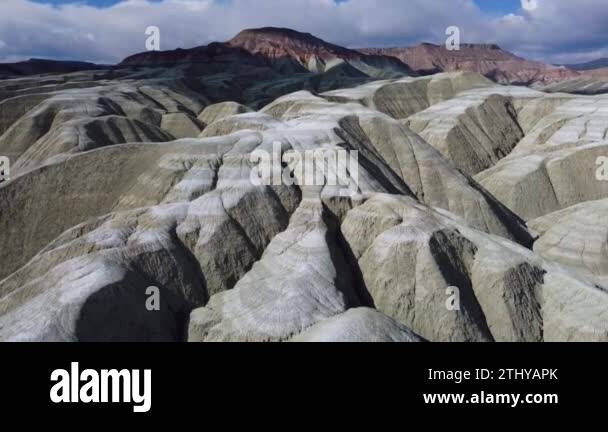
(140, 177)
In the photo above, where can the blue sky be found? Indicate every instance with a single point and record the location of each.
(91, 2)
(557, 31)
(494, 6)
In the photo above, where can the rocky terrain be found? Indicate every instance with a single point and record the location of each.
(598, 73)
(488, 60)
(592, 78)
(590, 82)
(477, 215)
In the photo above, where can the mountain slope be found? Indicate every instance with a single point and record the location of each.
(285, 50)
(487, 59)
(595, 64)
(42, 66)
(312, 53)
(275, 43)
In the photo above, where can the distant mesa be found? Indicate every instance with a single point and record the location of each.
(487, 59)
(42, 66)
(289, 52)
(285, 50)
(300, 52)
(601, 63)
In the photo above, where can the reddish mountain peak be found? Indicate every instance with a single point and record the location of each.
(277, 33)
(288, 49)
(277, 42)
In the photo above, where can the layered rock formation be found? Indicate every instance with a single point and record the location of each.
(488, 60)
(283, 50)
(554, 166)
(598, 73)
(590, 83)
(476, 215)
(577, 237)
(282, 45)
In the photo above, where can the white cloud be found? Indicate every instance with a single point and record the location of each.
(556, 29)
